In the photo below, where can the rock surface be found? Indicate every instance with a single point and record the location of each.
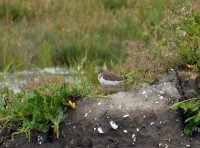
(139, 118)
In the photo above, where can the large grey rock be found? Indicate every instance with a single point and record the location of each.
(142, 118)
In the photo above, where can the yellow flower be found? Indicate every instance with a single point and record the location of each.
(190, 66)
(72, 104)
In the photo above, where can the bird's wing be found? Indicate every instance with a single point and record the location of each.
(112, 77)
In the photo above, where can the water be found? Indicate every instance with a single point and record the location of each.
(15, 80)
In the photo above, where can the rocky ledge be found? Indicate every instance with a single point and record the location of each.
(139, 118)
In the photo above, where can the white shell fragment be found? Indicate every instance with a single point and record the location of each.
(162, 92)
(120, 106)
(86, 114)
(134, 138)
(152, 123)
(125, 131)
(113, 125)
(100, 130)
(40, 139)
(144, 92)
(125, 116)
(72, 141)
(166, 146)
(99, 103)
(137, 129)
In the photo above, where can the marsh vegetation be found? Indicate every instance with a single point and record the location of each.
(139, 39)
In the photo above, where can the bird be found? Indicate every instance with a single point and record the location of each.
(109, 79)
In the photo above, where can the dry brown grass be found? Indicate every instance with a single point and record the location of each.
(147, 64)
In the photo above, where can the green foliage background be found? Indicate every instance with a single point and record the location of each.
(63, 32)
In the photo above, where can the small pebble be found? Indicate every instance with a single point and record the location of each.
(152, 123)
(125, 131)
(137, 129)
(99, 103)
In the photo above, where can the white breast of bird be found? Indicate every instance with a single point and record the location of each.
(108, 82)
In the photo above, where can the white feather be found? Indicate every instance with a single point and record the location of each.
(108, 82)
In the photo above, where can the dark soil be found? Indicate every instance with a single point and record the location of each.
(187, 87)
(143, 119)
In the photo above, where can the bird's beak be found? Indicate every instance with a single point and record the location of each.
(72, 104)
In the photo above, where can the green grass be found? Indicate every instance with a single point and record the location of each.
(64, 32)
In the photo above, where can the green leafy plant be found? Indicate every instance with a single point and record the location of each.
(42, 108)
(191, 110)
